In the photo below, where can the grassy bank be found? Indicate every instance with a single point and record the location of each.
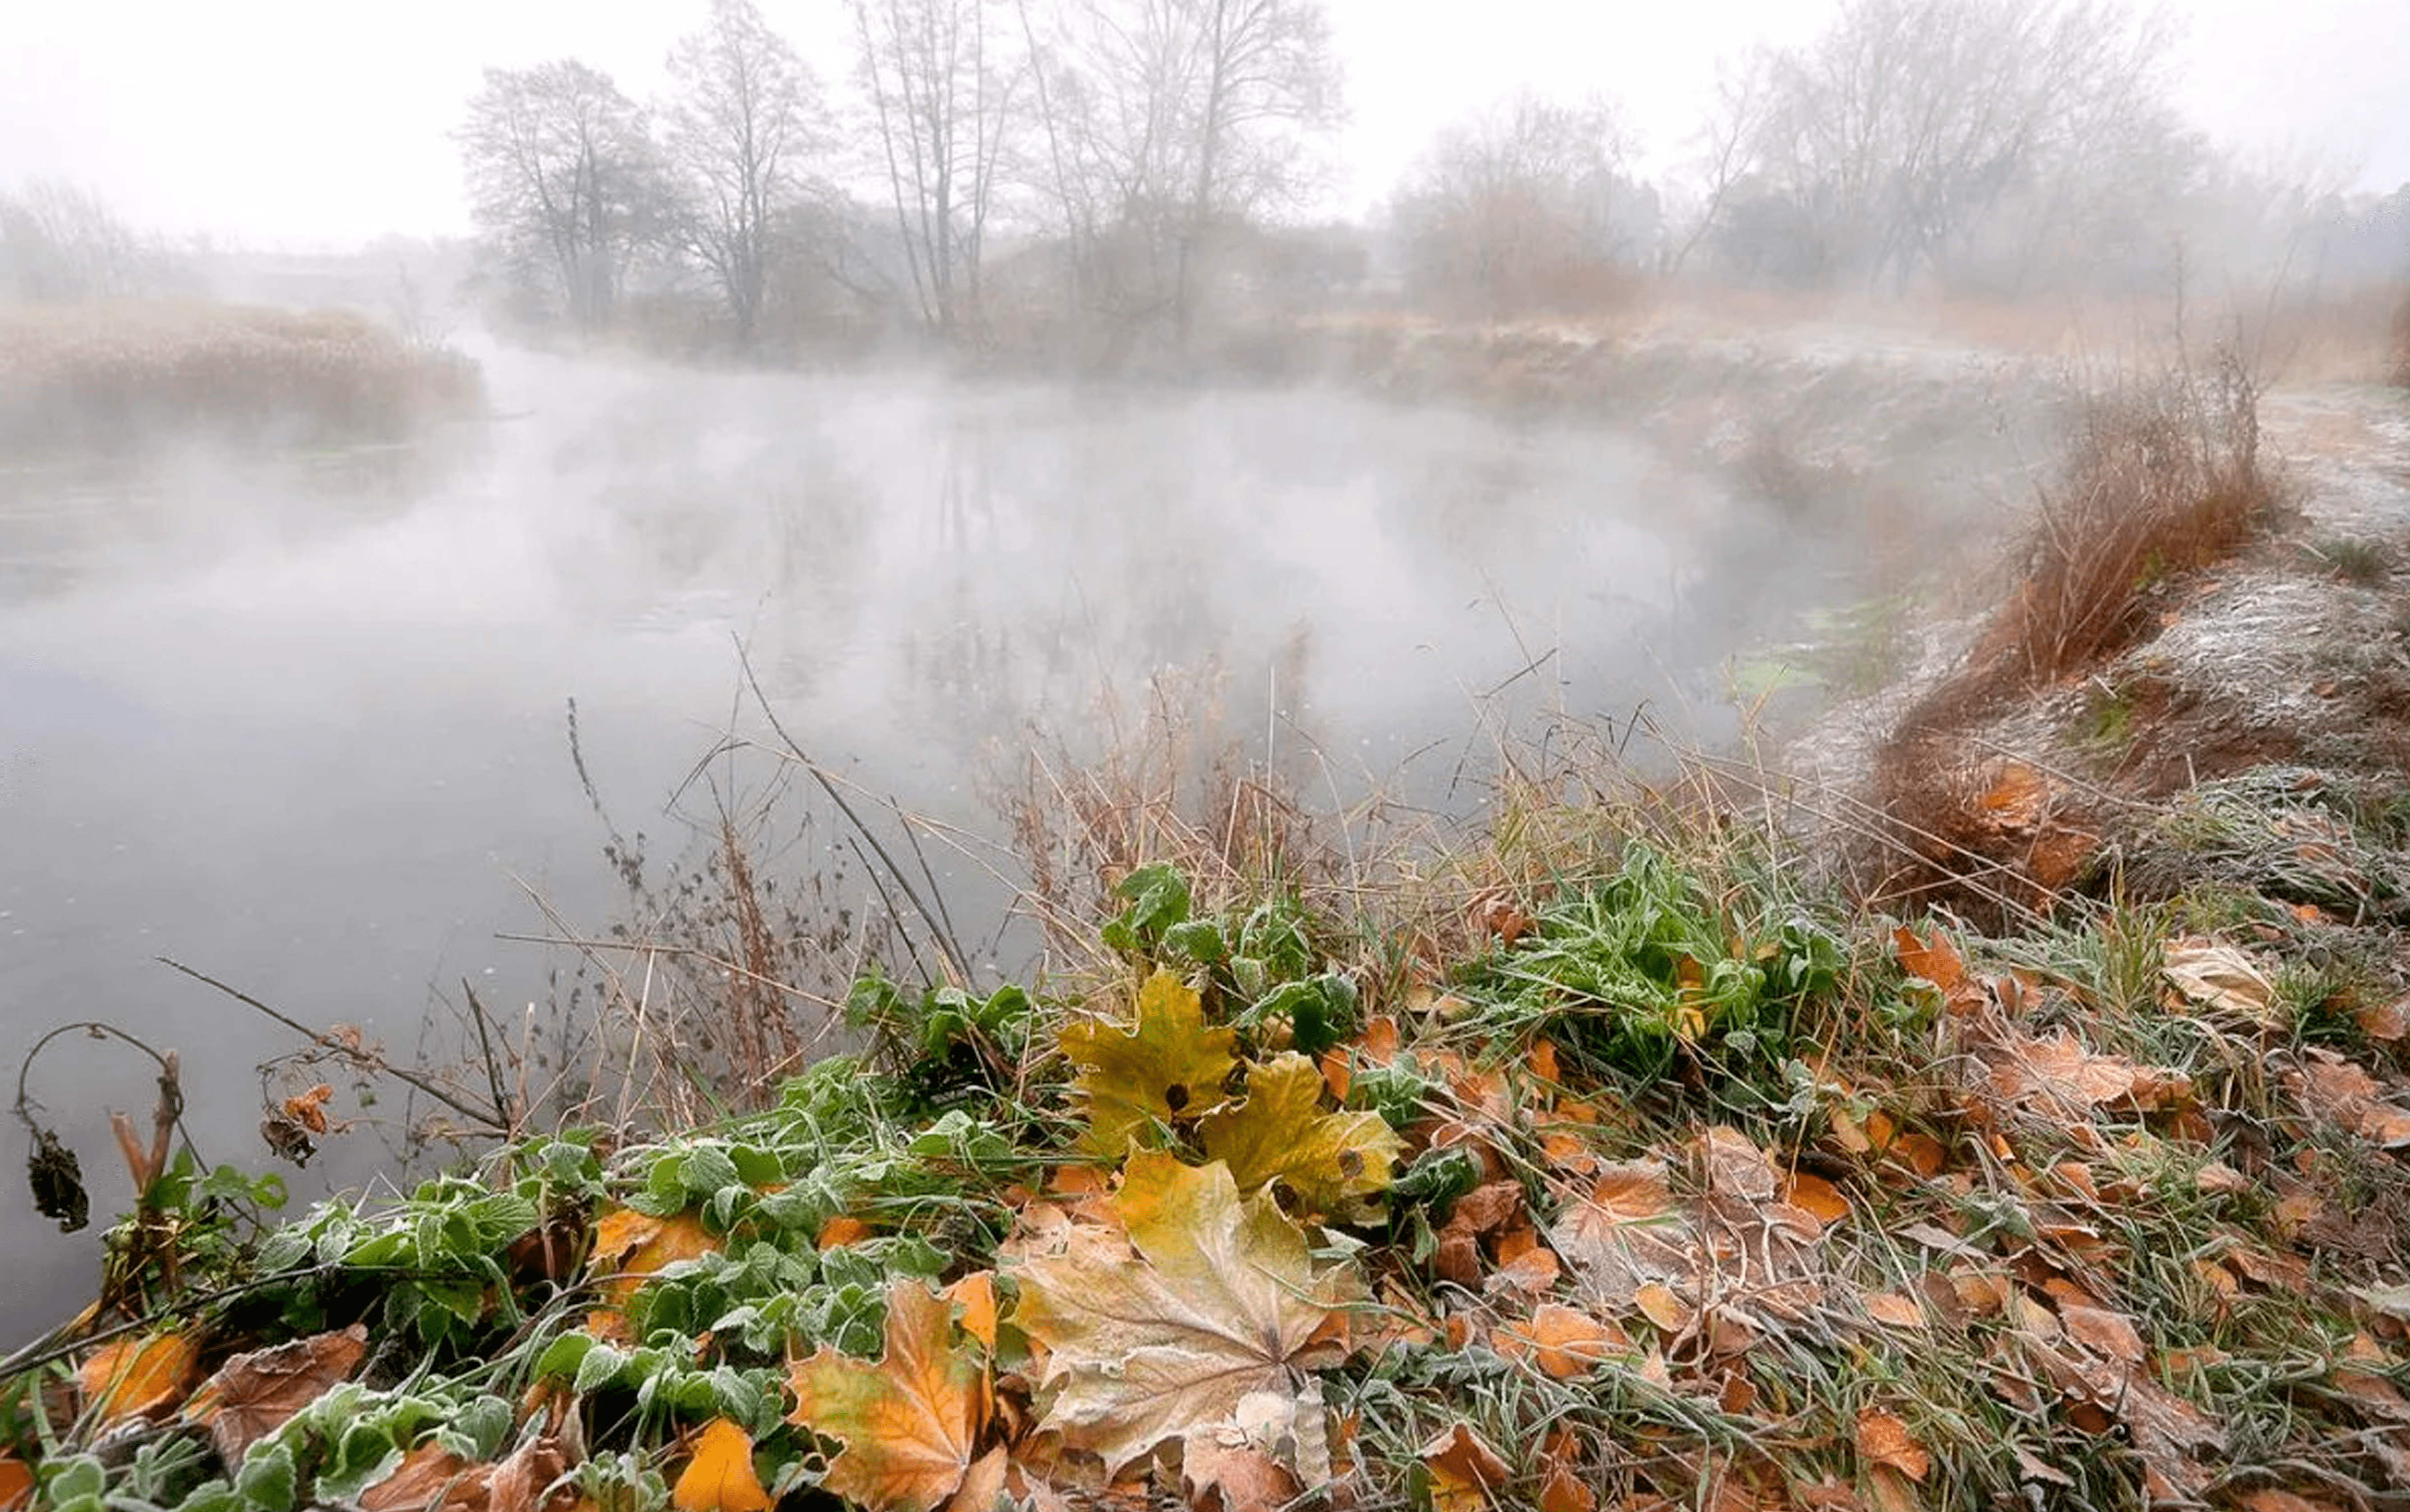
(127, 377)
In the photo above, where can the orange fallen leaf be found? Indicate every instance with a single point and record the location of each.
(1544, 1063)
(2104, 1332)
(1933, 958)
(1892, 1310)
(975, 1294)
(1817, 1195)
(1885, 1440)
(1464, 1471)
(136, 1377)
(16, 1483)
(1922, 1152)
(1561, 1490)
(1564, 1341)
(1661, 1306)
(911, 1422)
(720, 1476)
(840, 1232)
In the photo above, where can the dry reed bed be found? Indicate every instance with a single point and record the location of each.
(116, 376)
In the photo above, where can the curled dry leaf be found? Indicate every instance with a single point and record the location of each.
(911, 1421)
(1166, 1065)
(1163, 1328)
(2219, 976)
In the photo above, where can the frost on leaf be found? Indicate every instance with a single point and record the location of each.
(1162, 1329)
(1280, 1133)
(911, 1422)
(1168, 1065)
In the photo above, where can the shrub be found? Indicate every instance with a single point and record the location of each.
(118, 376)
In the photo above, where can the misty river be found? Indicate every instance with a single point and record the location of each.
(309, 737)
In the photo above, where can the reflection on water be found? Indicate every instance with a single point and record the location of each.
(306, 734)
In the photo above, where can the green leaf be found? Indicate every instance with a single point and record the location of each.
(601, 1366)
(706, 1170)
(265, 1482)
(565, 1354)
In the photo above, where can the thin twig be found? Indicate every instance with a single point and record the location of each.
(434, 1089)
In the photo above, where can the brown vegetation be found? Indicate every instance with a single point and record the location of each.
(2400, 364)
(112, 376)
(2162, 479)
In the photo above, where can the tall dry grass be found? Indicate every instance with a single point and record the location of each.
(114, 376)
(2163, 477)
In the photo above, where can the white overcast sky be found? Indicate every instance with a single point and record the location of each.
(321, 123)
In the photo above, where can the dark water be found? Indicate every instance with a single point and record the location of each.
(305, 732)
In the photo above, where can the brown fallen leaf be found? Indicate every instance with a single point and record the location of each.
(1561, 1490)
(16, 1483)
(1885, 1440)
(2219, 976)
(430, 1478)
(1892, 1310)
(1221, 1472)
(2059, 1071)
(253, 1394)
(2104, 1332)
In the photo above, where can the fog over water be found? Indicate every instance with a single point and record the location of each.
(306, 737)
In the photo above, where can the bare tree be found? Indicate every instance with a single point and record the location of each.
(1527, 206)
(563, 180)
(1900, 134)
(59, 243)
(1169, 120)
(1732, 141)
(941, 89)
(739, 127)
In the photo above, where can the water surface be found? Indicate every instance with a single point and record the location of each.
(302, 726)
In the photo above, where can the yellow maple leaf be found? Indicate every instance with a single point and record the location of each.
(1164, 1324)
(911, 1422)
(1280, 1133)
(1168, 1065)
(720, 1476)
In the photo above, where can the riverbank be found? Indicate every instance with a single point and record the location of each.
(1705, 1140)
